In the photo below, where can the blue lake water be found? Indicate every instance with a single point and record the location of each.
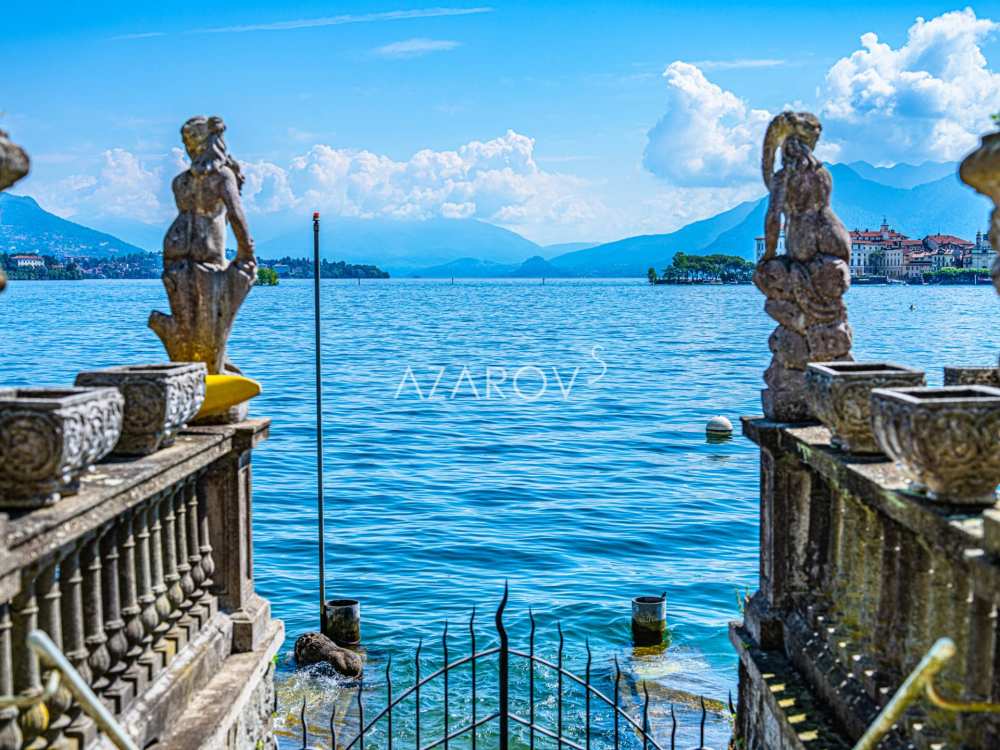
(582, 491)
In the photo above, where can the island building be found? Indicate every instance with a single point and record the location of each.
(27, 261)
(982, 254)
(887, 252)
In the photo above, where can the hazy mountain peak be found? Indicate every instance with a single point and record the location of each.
(902, 175)
(25, 227)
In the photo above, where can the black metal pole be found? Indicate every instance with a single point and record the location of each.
(321, 539)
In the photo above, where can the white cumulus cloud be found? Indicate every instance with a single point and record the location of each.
(122, 186)
(928, 99)
(495, 180)
(708, 136)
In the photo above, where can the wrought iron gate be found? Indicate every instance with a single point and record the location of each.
(503, 714)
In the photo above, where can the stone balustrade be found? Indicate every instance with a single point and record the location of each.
(858, 577)
(144, 579)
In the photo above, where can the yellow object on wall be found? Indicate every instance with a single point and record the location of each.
(225, 391)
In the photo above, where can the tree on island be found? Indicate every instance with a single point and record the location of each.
(700, 268)
(651, 275)
(266, 276)
(302, 268)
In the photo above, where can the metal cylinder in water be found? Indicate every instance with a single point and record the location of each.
(649, 620)
(342, 621)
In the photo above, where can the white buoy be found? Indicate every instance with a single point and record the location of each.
(719, 425)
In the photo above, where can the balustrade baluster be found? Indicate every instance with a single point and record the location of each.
(980, 666)
(131, 611)
(162, 603)
(891, 620)
(10, 732)
(183, 563)
(144, 588)
(34, 719)
(171, 576)
(74, 639)
(114, 625)
(917, 569)
(93, 614)
(205, 548)
(50, 621)
(194, 552)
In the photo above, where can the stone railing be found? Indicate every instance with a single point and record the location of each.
(144, 580)
(858, 578)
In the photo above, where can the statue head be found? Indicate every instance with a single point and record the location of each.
(202, 133)
(205, 145)
(804, 127)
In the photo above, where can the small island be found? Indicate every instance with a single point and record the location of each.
(266, 277)
(704, 269)
(302, 268)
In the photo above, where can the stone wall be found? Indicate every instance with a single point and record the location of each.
(144, 580)
(858, 578)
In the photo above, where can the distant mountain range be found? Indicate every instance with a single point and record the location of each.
(405, 247)
(905, 175)
(25, 227)
(933, 204)
(916, 200)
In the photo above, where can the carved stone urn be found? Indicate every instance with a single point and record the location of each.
(49, 437)
(972, 376)
(159, 401)
(945, 440)
(839, 393)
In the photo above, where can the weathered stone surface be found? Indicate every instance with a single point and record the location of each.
(839, 394)
(944, 439)
(316, 648)
(863, 577)
(805, 287)
(980, 170)
(122, 575)
(14, 163)
(159, 401)
(785, 393)
(972, 376)
(228, 489)
(49, 437)
(234, 710)
(790, 349)
(204, 289)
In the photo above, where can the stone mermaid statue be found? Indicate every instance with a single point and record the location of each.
(804, 287)
(204, 289)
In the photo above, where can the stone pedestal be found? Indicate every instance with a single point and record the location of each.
(229, 488)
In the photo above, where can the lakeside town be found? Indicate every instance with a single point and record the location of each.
(38, 266)
(885, 254)
(878, 256)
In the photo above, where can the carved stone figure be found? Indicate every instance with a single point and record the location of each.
(205, 291)
(980, 170)
(14, 165)
(316, 648)
(804, 287)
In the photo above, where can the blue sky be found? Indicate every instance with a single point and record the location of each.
(562, 121)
